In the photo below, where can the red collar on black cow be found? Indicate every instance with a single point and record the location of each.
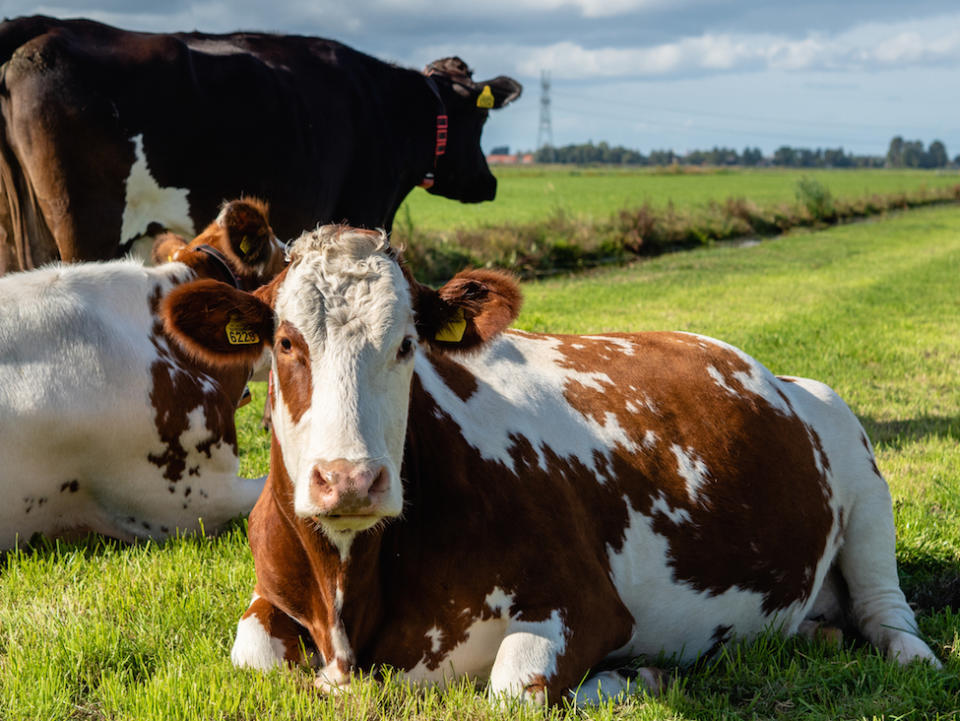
(440, 143)
(222, 260)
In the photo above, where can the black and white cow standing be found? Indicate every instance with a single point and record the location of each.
(105, 131)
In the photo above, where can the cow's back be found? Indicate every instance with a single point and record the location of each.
(104, 427)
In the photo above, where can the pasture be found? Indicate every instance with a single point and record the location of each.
(97, 630)
(532, 194)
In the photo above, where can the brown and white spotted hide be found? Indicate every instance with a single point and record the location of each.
(107, 426)
(455, 500)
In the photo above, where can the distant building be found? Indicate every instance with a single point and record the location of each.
(510, 159)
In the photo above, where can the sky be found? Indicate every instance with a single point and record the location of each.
(646, 74)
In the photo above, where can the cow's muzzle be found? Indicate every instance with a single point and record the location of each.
(348, 489)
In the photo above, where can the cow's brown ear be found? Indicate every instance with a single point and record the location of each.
(247, 226)
(216, 323)
(468, 311)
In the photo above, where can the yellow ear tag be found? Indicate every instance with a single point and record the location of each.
(245, 245)
(239, 333)
(452, 332)
(485, 99)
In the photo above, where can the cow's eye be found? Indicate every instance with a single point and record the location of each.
(285, 344)
(406, 349)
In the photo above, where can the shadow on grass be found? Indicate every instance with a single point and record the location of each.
(930, 582)
(899, 433)
(93, 545)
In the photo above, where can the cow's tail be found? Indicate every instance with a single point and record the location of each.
(25, 238)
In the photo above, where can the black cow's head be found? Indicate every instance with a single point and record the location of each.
(462, 172)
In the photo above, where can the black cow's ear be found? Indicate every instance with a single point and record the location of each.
(216, 323)
(503, 89)
(469, 310)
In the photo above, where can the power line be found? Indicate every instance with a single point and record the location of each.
(707, 128)
(726, 116)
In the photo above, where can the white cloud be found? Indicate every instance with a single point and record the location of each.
(866, 47)
(586, 8)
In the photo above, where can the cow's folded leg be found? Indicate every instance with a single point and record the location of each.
(267, 637)
(526, 668)
(613, 684)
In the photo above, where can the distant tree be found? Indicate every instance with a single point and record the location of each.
(937, 155)
(751, 156)
(501, 150)
(912, 156)
(662, 157)
(895, 152)
(836, 158)
(785, 155)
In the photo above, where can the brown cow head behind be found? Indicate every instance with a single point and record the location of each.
(344, 321)
(243, 245)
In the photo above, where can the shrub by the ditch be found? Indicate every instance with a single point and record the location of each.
(816, 198)
(565, 242)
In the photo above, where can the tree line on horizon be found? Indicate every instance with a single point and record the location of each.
(900, 154)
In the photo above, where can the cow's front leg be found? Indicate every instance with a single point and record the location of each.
(267, 637)
(605, 685)
(540, 663)
(526, 667)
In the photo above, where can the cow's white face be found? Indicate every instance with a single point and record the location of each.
(344, 323)
(342, 363)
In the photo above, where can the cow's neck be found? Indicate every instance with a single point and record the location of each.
(412, 135)
(330, 582)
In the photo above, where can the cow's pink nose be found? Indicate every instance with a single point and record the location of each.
(347, 488)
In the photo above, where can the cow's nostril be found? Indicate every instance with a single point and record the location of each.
(380, 483)
(318, 478)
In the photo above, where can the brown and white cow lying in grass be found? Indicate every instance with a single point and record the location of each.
(452, 499)
(107, 426)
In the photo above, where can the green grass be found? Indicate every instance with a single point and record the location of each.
(531, 194)
(104, 631)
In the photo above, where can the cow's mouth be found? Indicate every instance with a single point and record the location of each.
(348, 521)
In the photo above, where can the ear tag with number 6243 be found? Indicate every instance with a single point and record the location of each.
(239, 333)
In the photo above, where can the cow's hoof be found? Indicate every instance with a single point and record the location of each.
(654, 680)
(325, 686)
(331, 680)
(821, 633)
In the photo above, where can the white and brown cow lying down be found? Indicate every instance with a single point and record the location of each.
(107, 426)
(450, 499)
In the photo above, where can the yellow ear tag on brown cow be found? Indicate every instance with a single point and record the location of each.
(245, 245)
(239, 333)
(453, 331)
(485, 99)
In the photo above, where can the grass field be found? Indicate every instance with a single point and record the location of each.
(530, 194)
(103, 631)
